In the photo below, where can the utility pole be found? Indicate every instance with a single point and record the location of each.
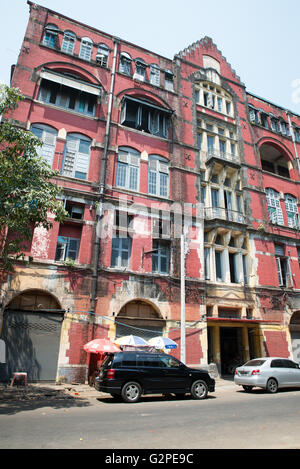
(182, 297)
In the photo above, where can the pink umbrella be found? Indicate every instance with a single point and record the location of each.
(101, 346)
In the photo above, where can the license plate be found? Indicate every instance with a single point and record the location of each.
(243, 372)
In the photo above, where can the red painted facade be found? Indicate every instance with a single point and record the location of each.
(236, 240)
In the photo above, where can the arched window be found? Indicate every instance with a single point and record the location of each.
(274, 207)
(140, 70)
(76, 156)
(125, 63)
(48, 136)
(128, 169)
(63, 91)
(68, 42)
(145, 116)
(158, 176)
(86, 47)
(50, 35)
(102, 55)
(291, 210)
(273, 160)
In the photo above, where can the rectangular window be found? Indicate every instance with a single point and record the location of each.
(219, 266)
(160, 257)
(74, 211)
(120, 252)
(154, 75)
(233, 264)
(222, 146)
(207, 263)
(169, 86)
(220, 104)
(215, 202)
(67, 248)
(210, 144)
(283, 267)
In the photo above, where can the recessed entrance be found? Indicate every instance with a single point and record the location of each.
(229, 346)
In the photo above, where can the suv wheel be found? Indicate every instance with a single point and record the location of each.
(131, 392)
(199, 389)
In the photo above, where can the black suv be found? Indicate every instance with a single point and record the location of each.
(131, 374)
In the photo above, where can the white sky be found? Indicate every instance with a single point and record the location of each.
(259, 38)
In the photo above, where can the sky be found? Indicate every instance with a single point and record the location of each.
(259, 38)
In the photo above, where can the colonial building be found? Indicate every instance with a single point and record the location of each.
(150, 149)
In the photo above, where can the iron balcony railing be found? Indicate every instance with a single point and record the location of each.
(220, 213)
(212, 153)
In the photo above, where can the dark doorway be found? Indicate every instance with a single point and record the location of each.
(231, 349)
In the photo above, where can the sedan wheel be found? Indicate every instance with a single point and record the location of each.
(199, 389)
(272, 385)
(131, 392)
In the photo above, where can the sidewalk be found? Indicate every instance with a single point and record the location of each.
(53, 391)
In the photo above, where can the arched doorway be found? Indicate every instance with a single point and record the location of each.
(31, 330)
(295, 335)
(274, 159)
(140, 318)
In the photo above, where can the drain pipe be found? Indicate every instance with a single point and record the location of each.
(294, 140)
(102, 181)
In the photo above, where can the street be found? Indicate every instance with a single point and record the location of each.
(229, 418)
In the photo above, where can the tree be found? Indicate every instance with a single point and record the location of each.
(27, 190)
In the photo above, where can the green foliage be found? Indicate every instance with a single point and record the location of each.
(27, 194)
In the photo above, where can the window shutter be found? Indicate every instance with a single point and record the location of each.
(82, 165)
(289, 279)
(123, 112)
(279, 271)
(49, 144)
(70, 156)
(138, 118)
(165, 125)
(154, 122)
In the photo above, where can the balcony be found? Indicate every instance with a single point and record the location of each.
(220, 213)
(217, 155)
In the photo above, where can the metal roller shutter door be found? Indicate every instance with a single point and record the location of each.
(32, 344)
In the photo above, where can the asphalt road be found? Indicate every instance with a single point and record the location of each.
(229, 418)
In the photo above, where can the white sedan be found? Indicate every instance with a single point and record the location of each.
(270, 373)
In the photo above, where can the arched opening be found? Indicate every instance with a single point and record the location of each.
(31, 331)
(295, 335)
(274, 160)
(140, 318)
